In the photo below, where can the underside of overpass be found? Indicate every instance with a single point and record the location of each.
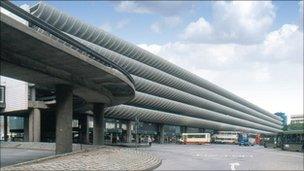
(61, 65)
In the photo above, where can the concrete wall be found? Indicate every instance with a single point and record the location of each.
(16, 94)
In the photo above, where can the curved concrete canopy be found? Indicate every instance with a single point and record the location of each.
(144, 71)
(183, 99)
(37, 58)
(97, 36)
(147, 115)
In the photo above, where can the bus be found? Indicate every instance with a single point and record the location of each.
(230, 137)
(271, 141)
(292, 140)
(195, 138)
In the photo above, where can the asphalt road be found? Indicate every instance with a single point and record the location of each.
(225, 157)
(194, 157)
(11, 156)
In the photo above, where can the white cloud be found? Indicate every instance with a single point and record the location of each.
(233, 22)
(131, 7)
(156, 27)
(118, 25)
(165, 8)
(106, 26)
(165, 23)
(269, 74)
(198, 29)
(285, 44)
(122, 23)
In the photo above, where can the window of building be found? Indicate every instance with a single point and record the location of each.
(75, 123)
(2, 94)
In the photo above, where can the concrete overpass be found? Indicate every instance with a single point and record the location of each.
(59, 65)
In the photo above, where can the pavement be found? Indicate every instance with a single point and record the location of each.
(40, 145)
(109, 158)
(129, 145)
(11, 156)
(40, 156)
(224, 157)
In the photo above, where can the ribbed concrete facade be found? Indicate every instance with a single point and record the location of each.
(165, 93)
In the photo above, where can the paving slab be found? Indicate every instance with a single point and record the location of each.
(106, 158)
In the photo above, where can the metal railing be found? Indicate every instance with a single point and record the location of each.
(56, 32)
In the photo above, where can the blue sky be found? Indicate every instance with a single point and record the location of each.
(138, 25)
(253, 49)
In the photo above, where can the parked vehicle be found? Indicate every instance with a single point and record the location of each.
(243, 139)
(271, 141)
(252, 139)
(195, 138)
(230, 137)
(292, 140)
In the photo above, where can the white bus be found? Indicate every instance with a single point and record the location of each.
(195, 138)
(230, 137)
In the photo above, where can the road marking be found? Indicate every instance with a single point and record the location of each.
(232, 165)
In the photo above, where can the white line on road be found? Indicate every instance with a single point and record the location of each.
(232, 165)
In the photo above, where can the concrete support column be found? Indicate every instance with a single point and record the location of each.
(184, 129)
(201, 130)
(64, 117)
(129, 131)
(5, 128)
(98, 124)
(161, 133)
(26, 128)
(34, 125)
(84, 131)
(33, 94)
(116, 124)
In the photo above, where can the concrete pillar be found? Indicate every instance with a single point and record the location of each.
(64, 117)
(184, 129)
(26, 128)
(201, 130)
(129, 131)
(98, 124)
(33, 94)
(161, 133)
(116, 124)
(34, 125)
(84, 131)
(5, 128)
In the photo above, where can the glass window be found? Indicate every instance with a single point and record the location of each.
(75, 123)
(2, 94)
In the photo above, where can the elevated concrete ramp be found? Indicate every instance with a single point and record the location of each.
(37, 58)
